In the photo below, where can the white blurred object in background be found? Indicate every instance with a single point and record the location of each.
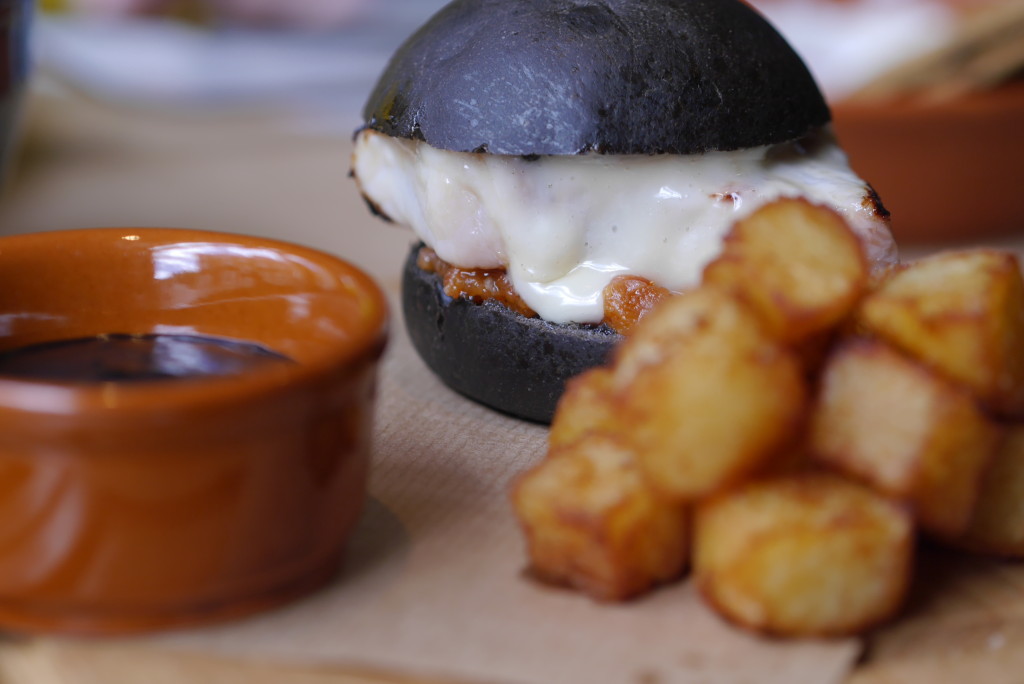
(849, 44)
(304, 14)
(322, 76)
(325, 75)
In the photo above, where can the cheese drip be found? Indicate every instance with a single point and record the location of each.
(564, 226)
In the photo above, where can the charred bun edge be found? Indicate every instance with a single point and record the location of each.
(555, 77)
(493, 355)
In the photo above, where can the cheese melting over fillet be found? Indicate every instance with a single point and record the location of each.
(564, 226)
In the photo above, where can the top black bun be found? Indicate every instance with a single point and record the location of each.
(543, 77)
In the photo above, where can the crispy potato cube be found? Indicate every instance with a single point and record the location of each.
(719, 399)
(679, 320)
(586, 406)
(963, 314)
(884, 418)
(592, 522)
(805, 555)
(997, 523)
(797, 264)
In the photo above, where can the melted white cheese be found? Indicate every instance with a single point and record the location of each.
(565, 226)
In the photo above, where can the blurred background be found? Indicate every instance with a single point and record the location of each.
(314, 59)
(237, 114)
(325, 54)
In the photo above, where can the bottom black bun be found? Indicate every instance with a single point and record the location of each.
(494, 355)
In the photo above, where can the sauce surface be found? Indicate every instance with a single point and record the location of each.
(132, 358)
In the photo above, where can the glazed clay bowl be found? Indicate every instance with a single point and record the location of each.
(136, 506)
(948, 171)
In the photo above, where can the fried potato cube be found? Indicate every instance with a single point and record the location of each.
(592, 522)
(797, 264)
(963, 314)
(803, 555)
(678, 321)
(718, 400)
(586, 406)
(884, 418)
(997, 523)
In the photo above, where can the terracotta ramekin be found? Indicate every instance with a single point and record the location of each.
(948, 171)
(128, 507)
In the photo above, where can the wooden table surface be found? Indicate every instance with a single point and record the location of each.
(86, 164)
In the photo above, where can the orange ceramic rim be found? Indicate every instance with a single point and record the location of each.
(61, 398)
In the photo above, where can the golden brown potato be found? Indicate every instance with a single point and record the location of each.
(997, 523)
(586, 406)
(797, 264)
(706, 406)
(710, 397)
(676, 322)
(806, 555)
(676, 319)
(963, 314)
(592, 521)
(884, 418)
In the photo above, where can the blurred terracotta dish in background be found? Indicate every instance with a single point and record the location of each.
(942, 137)
(128, 506)
(927, 102)
(948, 170)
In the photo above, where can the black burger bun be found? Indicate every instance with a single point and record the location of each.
(534, 78)
(492, 354)
(556, 77)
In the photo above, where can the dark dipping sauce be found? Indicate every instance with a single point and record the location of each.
(134, 358)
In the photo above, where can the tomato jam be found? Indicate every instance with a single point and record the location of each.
(626, 298)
